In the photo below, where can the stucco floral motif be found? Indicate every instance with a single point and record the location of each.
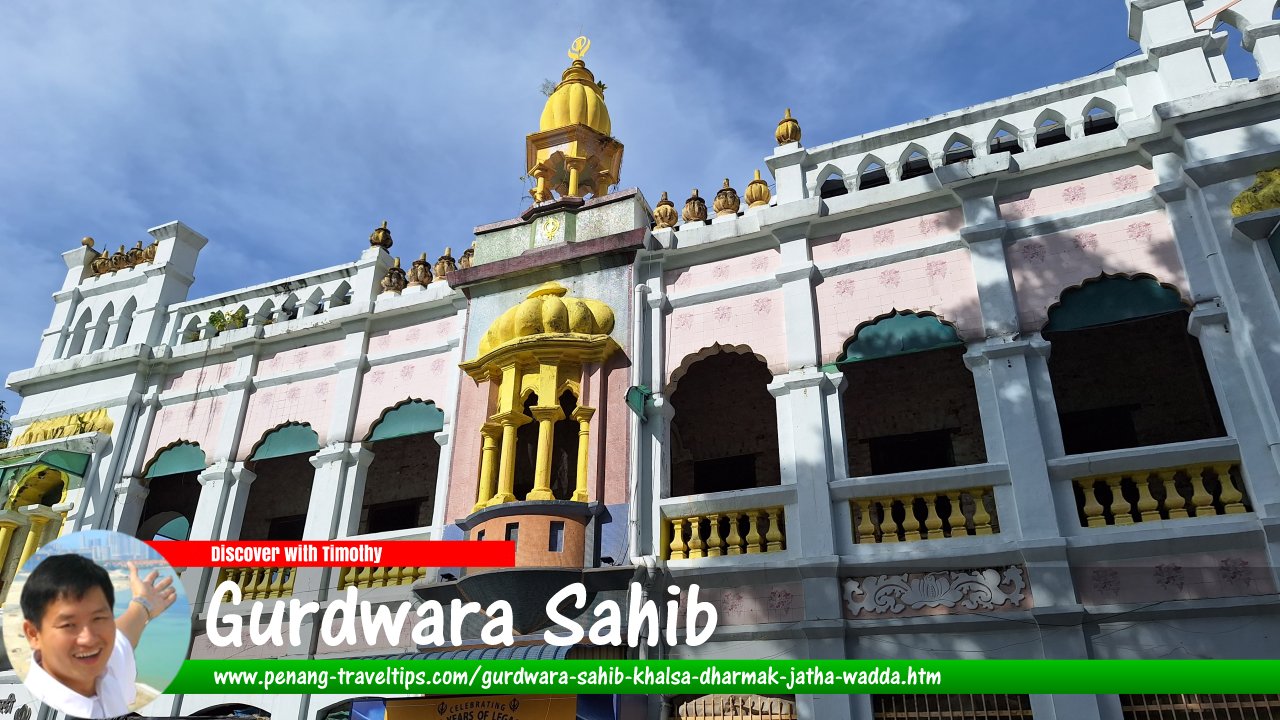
(984, 589)
(936, 269)
(406, 372)
(780, 599)
(723, 313)
(890, 278)
(1169, 576)
(414, 335)
(1127, 182)
(328, 352)
(731, 601)
(720, 271)
(844, 287)
(1085, 241)
(376, 377)
(843, 245)
(683, 322)
(303, 357)
(293, 393)
(1025, 207)
(762, 306)
(437, 366)
(1139, 231)
(1073, 194)
(1033, 252)
(1235, 571)
(759, 264)
(883, 236)
(1106, 581)
(930, 226)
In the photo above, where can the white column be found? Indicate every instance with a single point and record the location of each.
(131, 495)
(797, 275)
(361, 457)
(216, 484)
(803, 457)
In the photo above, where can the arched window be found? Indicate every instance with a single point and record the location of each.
(191, 332)
(872, 174)
(1004, 139)
(1099, 118)
(266, 313)
(314, 304)
(341, 295)
(289, 308)
(172, 479)
(79, 333)
(281, 492)
(1051, 129)
(100, 328)
(832, 185)
(125, 323)
(1240, 61)
(959, 149)
(400, 486)
(909, 401)
(724, 434)
(1125, 371)
(915, 163)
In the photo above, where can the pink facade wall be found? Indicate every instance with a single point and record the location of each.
(616, 443)
(299, 359)
(881, 238)
(755, 320)
(1174, 577)
(473, 401)
(1044, 266)
(737, 269)
(1065, 196)
(433, 333)
(306, 401)
(201, 378)
(942, 284)
(424, 378)
(198, 422)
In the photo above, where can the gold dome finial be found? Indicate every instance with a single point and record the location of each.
(664, 215)
(726, 201)
(757, 192)
(394, 281)
(695, 208)
(86, 241)
(420, 271)
(381, 237)
(468, 256)
(578, 49)
(788, 129)
(445, 264)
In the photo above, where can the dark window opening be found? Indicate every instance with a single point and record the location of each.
(291, 312)
(721, 474)
(278, 499)
(958, 152)
(286, 528)
(912, 451)
(564, 450)
(1005, 142)
(399, 488)
(168, 494)
(874, 176)
(916, 166)
(1050, 133)
(555, 537)
(398, 515)
(526, 450)
(479, 535)
(833, 187)
(1107, 428)
(1099, 121)
(513, 532)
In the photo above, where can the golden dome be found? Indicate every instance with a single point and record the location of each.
(547, 310)
(576, 100)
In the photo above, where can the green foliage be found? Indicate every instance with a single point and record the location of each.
(6, 429)
(229, 321)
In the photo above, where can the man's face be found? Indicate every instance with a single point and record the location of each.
(75, 639)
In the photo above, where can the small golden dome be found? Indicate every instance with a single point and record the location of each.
(86, 241)
(757, 192)
(547, 310)
(664, 215)
(788, 130)
(577, 100)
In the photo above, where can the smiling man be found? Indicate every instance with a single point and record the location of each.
(82, 655)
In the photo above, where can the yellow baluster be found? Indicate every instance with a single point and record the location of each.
(1231, 497)
(866, 532)
(379, 577)
(735, 540)
(677, 539)
(888, 528)
(1200, 498)
(715, 545)
(262, 587)
(1119, 506)
(910, 523)
(932, 522)
(364, 577)
(981, 518)
(1147, 504)
(956, 517)
(1092, 507)
(348, 578)
(288, 584)
(753, 532)
(1174, 503)
(277, 582)
(774, 536)
(695, 538)
(393, 576)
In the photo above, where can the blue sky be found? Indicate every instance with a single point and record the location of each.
(286, 131)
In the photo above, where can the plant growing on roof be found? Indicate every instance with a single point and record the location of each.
(229, 321)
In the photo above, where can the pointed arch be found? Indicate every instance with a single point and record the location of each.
(830, 181)
(899, 332)
(571, 386)
(125, 323)
(341, 295)
(872, 173)
(289, 308)
(1113, 298)
(706, 352)
(958, 148)
(1099, 116)
(101, 327)
(287, 438)
(179, 456)
(1051, 128)
(79, 332)
(314, 304)
(1003, 138)
(266, 313)
(410, 416)
(191, 332)
(914, 162)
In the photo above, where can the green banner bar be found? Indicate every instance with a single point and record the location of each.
(581, 677)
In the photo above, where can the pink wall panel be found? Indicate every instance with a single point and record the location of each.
(198, 422)
(617, 429)
(424, 378)
(746, 267)
(942, 284)
(303, 358)
(755, 320)
(872, 240)
(431, 333)
(306, 401)
(1077, 193)
(201, 378)
(465, 473)
(1044, 266)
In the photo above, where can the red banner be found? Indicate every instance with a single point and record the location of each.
(338, 553)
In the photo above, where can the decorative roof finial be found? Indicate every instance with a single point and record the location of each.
(788, 130)
(394, 281)
(726, 201)
(420, 272)
(86, 241)
(695, 208)
(468, 256)
(579, 48)
(664, 215)
(445, 265)
(757, 192)
(381, 237)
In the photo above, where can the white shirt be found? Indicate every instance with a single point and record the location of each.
(116, 689)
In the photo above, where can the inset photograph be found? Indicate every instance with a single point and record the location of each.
(96, 624)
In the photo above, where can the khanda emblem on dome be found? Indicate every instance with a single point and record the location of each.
(579, 48)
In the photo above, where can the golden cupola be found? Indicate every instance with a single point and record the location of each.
(547, 310)
(573, 154)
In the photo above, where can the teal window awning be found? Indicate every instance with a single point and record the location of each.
(901, 333)
(291, 439)
(414, 417)
(181, 458)
(1112, 300)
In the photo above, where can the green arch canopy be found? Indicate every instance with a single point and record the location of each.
(902, 333)
(182, 458)
(288, 440)
(1111, 300)
(411, 418)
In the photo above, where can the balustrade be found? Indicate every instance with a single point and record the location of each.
(258, 583)
(1126, 498)
(924, 516)
(375, 577)
(715, 534)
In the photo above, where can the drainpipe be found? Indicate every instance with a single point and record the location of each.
(639, 308)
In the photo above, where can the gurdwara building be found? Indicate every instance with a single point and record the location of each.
(1001, 383)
